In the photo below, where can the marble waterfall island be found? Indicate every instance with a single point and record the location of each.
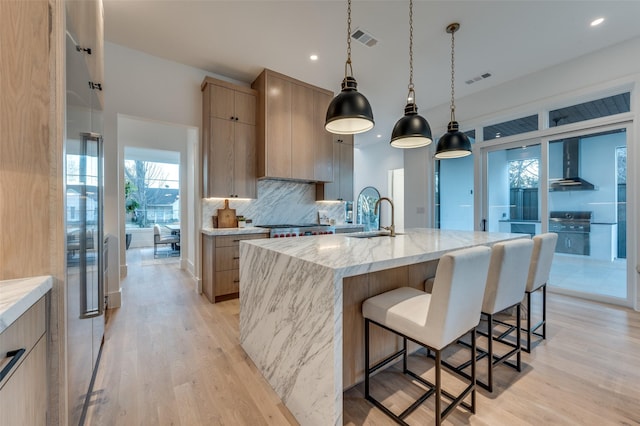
(292, 300)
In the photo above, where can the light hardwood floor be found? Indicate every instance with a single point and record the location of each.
(171, 357)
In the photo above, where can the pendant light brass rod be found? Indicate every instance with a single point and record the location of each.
(411, 52)
(348, 63)
(451, 29)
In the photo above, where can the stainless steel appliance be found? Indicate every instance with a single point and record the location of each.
(85, 243)
(303, 230)
(573, 230)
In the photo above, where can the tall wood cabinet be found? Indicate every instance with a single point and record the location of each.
(342, 186)
(229, 139)
(292, 142)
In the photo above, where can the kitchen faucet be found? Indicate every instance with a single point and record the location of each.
(391, 228)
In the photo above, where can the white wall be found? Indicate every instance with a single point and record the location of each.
(147, 87)
(371, 165)
(456, 193)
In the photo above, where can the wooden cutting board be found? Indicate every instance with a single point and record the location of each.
(227, 217)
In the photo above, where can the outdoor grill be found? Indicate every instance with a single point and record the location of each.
(573, 230)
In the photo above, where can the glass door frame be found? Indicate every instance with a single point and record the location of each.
(482, 208)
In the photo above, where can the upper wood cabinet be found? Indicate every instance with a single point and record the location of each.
(342, 186)
(291, 141)
(229, 140)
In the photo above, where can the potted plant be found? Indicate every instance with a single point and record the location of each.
(130, 206)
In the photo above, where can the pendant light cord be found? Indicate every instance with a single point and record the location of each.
(348, 63)
(411, 87)
(453, 45)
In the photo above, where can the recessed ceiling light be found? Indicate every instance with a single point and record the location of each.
(313, 57)
(379, 136)
(597, 22)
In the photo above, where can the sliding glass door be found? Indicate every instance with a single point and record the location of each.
(587, 209)
(574, 184)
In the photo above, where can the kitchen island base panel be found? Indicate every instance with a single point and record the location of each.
(291, 331)
(382, 343)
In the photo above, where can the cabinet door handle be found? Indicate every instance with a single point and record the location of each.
(236, 281)
(235, 241)
(236, 258)
(231, 118)
(15, 356)
(236, 118)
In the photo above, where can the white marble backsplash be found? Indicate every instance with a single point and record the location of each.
(278, 202)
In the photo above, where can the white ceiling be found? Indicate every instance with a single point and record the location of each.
(508, 38)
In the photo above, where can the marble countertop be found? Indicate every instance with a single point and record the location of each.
(348, 255)
(17, 296)
(234, 231)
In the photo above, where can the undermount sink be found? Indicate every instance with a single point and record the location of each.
(372, 234)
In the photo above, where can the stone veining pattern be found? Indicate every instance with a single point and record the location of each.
(291, 306)
(278, 202)
(296, 347)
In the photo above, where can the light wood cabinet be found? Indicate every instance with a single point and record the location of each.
(323, 141)
(23, 391)
(221, 265)
(342, 186)
(291, 141)
(229, 140)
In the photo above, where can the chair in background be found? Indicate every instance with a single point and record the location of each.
(544, 245)
(433, 321)
(159, 239)
(505, 289)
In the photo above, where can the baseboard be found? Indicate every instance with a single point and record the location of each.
(198, 283)
(114, 299)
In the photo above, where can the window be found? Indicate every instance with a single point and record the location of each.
(589, 110)
(155, 189)
(523, 189)
(510, 128)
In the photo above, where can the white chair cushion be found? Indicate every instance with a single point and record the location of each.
(403, 309)
(507, 275)
(452, 309)
(457, 295)
(544, 245)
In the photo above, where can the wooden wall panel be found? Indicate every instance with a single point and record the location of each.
(24, 139)
(355, 291)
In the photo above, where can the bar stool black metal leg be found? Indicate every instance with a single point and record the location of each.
(544, 311)
(438, 387)
(528, 349)
(518, 336)
(366, 358)
(490, 352)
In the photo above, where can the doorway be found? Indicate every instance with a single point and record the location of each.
(151, 141)
(152, 202)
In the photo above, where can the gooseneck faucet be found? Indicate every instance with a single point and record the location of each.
(391, 228)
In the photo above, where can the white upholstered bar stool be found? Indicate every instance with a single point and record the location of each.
(544, 245)
(433, 321)
(506, 283)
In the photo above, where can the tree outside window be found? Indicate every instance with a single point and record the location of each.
(523, 173)
(152, 191)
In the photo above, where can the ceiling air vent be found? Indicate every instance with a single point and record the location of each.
(364, 37)
(478, 78)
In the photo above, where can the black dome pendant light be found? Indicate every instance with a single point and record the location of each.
(412, 130)
(454, 143)
(349, 112)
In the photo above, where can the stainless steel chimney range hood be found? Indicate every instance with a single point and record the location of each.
(571, 180)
